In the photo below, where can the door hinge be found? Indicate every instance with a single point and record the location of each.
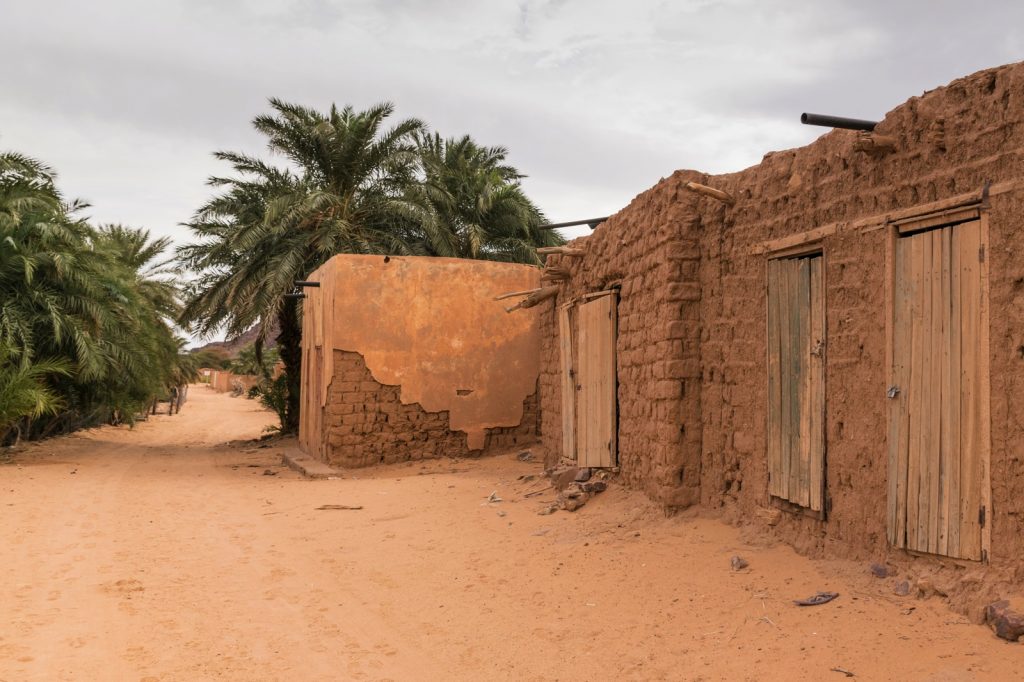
(981, 253)
(981, 516)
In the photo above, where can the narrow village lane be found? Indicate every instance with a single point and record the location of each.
(165, 553)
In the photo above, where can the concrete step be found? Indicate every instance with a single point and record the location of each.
(307, 466)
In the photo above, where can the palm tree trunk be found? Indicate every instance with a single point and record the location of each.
(289, 344)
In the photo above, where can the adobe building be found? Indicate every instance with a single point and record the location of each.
(408, 358)
(830, 343)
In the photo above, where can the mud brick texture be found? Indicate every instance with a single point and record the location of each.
(366, 423)
(691, 350)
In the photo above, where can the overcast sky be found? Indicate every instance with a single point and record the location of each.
(595, 100)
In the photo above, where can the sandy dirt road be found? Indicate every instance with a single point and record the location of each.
(160, 553)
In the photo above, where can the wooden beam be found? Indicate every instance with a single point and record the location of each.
(776, 246)
(561, 251)
(874, 145)
(711, 192)
(534, 298)
(870, 223)
(513, 294)
(555, 273)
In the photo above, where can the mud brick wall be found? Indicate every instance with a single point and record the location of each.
(224, 382)
(368, 424)
(693, 312)
(651, 250)
(951, 141)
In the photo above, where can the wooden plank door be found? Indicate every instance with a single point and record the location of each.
(568, 372)
(938, 414)
(796, 381)
(596, 409)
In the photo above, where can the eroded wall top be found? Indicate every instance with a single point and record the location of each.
(431, 326)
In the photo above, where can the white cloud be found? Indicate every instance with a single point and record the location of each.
(595, 100)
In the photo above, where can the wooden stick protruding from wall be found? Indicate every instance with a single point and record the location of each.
(560, 251)
(513, 294)
(721, 195)
(555, 273)
(538, 296)
(874, 144)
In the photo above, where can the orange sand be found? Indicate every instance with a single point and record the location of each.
(161, 554)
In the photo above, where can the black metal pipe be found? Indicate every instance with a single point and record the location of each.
(304, 283)
(592, 222)
(837, 122)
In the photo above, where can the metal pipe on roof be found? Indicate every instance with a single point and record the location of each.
(305, 283)
(837, 122)
(592, 222)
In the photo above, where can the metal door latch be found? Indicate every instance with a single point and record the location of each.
(892, 392)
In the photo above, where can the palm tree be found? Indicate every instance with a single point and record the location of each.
(273, 226)
(471, 204)
(24, 391)
(97, 301)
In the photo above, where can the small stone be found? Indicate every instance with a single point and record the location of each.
(879, 571)
(902, 588)
(571, 500)
(1004, 621)
(583, 475)
(593, 486)
(268, 472)
(738, 563)
(563, 478)
(547, 510)
(525, 456)
(501, 513)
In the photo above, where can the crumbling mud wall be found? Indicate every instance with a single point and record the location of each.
(369, 424)
(429, 329)
(651, 252)
(950, 143)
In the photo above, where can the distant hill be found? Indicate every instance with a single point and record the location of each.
(231, 347)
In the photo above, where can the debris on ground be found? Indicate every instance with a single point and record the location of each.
(738, 563)
(269, 472)
(902, 588)
(501, 513)
(534, 493)
(573, 492)
(525, 456)
(841, 670)
(563, 478)
(879, 571)
(493, 497)
(1006, 622)
(338, 507)
(817, 599)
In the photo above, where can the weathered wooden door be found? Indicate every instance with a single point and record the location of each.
(589, 401)
(938, 391)
(796, 381)
(568, 374)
